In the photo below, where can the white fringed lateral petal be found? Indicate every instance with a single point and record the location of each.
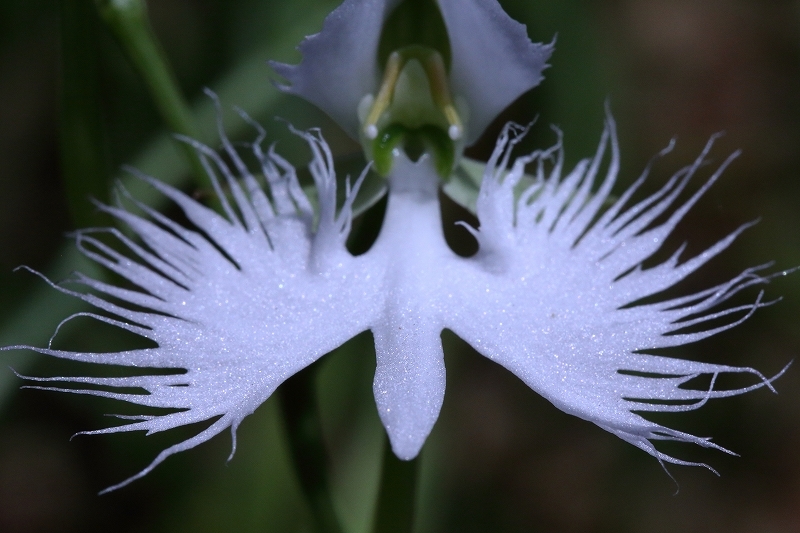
(553, 293)
(240, 302)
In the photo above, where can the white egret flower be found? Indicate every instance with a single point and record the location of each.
(557, 293)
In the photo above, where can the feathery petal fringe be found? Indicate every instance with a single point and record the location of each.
(555, 294)
(236, 306)
(560, 303)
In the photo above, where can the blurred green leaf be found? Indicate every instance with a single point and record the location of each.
(256, 491)
(84, 163)
(129, 22)
(565, 97)
(398, 493)
(465, 183)
(307, 448)
(353, 431)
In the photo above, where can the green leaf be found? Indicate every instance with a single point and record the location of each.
(82, 141)
(129, 22)
(465, 183)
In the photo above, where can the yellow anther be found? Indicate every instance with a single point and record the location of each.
(440, 90)
(394, 65)
(433, 66)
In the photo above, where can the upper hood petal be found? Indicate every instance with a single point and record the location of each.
(493, 60)
(340, 63)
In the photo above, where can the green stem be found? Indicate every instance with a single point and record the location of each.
(129, 22)
(299, 405)
(397, 495)
(84, 163)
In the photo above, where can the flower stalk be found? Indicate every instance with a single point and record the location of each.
(397, 496)
(129, 22)
(307, 446)
(82, 141)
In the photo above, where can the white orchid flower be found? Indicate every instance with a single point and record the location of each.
(557, 293)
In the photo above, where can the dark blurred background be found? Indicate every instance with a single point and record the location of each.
(500, 458)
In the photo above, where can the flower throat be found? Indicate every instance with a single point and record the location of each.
(413, 109)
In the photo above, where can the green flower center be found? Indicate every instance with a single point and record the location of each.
(414, 111)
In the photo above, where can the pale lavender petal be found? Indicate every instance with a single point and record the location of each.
(493, 60)
(552, 293)
(340, 63)
(413, 256)
(257, 307)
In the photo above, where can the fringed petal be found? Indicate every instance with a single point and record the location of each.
(555, 293)
(236, 304)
